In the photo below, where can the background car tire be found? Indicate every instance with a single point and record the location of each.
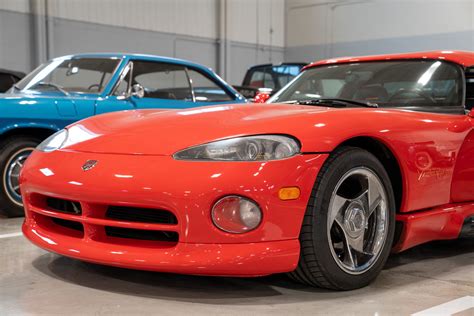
(12, 149)
(317, 265)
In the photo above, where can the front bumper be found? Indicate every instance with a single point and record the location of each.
(186, 189)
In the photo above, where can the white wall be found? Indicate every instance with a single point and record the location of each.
(22, 6)
(250, 21)
(329, 28)
(190, 29)
(257, 21)
(187, 17)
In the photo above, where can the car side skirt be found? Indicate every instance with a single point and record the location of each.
(438, 223)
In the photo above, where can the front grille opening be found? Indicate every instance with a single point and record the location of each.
(64, 206)
(141, 234)
(142, 215)
(65, 227)
(68, 224)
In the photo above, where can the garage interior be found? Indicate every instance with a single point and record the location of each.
(229, 36)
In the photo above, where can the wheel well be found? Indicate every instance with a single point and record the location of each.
(40, 133)
(388, 160)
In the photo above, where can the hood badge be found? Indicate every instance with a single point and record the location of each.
(89, 164)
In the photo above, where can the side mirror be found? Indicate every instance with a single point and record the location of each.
(261, 97)
(138, 91)
(471, 113)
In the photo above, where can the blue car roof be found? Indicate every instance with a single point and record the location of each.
(136, 56)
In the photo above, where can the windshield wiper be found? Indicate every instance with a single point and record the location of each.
(56, 86)
(335, 102)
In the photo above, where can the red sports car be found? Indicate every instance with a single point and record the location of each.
(353, 159)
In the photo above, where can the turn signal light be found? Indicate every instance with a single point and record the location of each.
(289, 193)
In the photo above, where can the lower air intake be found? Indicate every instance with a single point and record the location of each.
(141, 234)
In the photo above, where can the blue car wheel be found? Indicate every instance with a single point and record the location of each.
(14, 153)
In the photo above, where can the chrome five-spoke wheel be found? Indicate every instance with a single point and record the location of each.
(357, 220)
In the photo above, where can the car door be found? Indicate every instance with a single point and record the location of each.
(206, 90)
(76, 84)
(145, 84)
(165, 85)
(120, 98)
(462, 189)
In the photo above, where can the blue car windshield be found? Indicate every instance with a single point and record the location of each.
(75, 75)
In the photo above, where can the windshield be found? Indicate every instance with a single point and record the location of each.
(76, 75)
(385, 84)
(273, 77)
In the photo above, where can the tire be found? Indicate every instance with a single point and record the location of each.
(325, 259)
(13, 152)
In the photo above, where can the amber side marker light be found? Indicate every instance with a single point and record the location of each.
(289, 193)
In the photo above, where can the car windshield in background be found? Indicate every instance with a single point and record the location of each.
(77, 75)
(273, 77)
(385, 84)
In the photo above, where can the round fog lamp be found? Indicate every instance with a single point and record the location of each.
(236, 214)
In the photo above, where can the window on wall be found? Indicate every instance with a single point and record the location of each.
(162, 80)
(205, 89)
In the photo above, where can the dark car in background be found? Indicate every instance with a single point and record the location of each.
(268, 78)
(8, 78)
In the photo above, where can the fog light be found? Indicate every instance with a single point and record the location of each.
(236, 214)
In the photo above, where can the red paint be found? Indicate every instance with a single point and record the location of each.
(261, 97)
(426, 186)
(249, 259)
(135, 167)
(444, 222)
(462, 189)
(463, 58)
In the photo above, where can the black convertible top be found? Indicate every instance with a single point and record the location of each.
(17, 74)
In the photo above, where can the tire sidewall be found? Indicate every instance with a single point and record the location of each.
(351, 159)
(9, 148)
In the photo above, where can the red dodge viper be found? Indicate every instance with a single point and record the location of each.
(353, 159)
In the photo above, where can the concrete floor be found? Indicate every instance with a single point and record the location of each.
(33, 281)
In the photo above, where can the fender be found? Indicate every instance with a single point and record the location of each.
(6, 129)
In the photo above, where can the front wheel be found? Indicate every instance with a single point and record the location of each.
(349, 224)
(14, 152)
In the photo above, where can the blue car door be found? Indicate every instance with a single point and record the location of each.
(146, 84)
(163, 85)
(119, 98)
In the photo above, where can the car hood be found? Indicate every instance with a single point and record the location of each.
(163, 132)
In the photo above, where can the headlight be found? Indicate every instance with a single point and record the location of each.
(54, 141)
(249, 148)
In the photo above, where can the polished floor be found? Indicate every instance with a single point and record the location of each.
(434, 279)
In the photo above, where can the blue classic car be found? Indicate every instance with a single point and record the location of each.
(71, 88)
